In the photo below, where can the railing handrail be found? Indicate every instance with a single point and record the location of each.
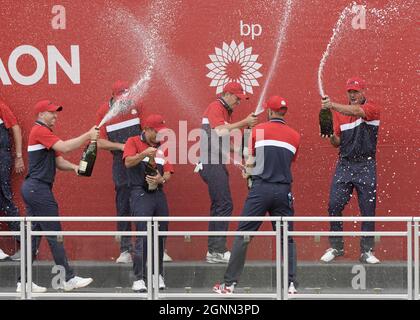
(411, 223)
(12, 219)
(349, 233)
(88, 219)
(282, 218)
(89, 233)
(208, 218)
(348, 219)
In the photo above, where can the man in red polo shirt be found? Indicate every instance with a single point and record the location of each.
(113, 135)
(214, 151)
(9, 123)
(45, 153)
(356, 127)
(273, 147)
(142, 157)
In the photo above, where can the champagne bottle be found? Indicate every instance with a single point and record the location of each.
(151, 170)
(326, 122)
(249, 182)
(88, 159)
(248, 178)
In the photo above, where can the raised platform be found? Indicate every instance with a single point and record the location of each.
(258, 276)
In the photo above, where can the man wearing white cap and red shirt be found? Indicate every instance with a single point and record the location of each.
(273, 147)
(45, 156)
(148, 170)
(356, 127)
(214, 148)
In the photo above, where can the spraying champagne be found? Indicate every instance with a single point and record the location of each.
(325, 115)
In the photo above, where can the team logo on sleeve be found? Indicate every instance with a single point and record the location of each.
(234, 63)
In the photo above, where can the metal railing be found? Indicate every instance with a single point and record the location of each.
(416, 258)
(276, 234)
(30, 233)
(153, 233)
(21, 235)
(407, 234)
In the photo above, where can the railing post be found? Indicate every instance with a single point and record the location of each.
(156, 259)
(409, 261)
(285, 260)
(28, 261)
(22, 259)
(416, 260)
(278, 259)
(149, 260)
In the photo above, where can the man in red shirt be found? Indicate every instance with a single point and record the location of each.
(356, 127)
(214, 151)
(148, 170)
(9, 123)
(113, 135)
(273, 148)
(45, 151)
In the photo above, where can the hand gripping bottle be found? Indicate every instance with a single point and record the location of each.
(151, 170)
(88, 159)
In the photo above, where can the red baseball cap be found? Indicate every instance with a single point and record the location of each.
(119, 87)
(46, 105)
(355, 83)
(236, 89)
(155, 121)
(275, 103)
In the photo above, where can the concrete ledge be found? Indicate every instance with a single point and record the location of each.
(314, 276)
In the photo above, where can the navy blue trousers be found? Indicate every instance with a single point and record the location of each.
(147, 204)
(351, 175)
(40, 202)
(216, 177)
(122, 202)
(6, 197)
(277, 200)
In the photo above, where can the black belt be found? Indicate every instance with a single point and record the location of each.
(146, 189)
(254, 178)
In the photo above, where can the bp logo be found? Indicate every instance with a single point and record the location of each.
(234, 63)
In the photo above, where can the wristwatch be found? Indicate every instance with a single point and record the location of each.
(18, 155)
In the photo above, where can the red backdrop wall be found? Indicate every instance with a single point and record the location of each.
(113, 39)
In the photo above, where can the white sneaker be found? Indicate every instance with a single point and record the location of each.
(35, 288)
(216, 257)
(368, 257)
(162, 285)
(125, 257)
(292, 289)
(139, 286)
(3, 256)
(166, 257)
(330, 254)
(76, 283)
(16, 256)
(223, 288)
